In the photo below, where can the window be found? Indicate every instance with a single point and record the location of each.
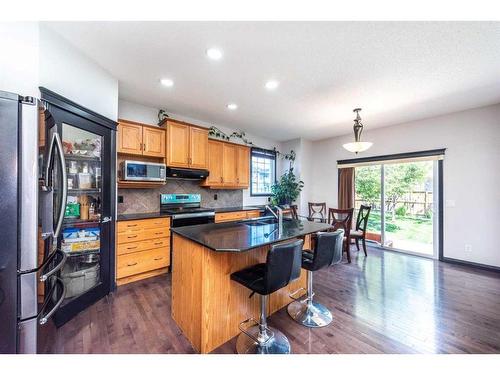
(263, 172)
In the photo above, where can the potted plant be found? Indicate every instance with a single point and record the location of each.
(287, 189)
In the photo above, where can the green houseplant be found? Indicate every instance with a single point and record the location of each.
(287, 189)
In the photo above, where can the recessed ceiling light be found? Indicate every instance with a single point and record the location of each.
(272, 84)
(214, 53)
(232, 106)
(167, 82)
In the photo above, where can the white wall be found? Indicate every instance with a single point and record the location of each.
(137, 112)
(471, 173)
(19, 57)
(68, 72)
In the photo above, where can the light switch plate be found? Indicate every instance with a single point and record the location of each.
(450, 203)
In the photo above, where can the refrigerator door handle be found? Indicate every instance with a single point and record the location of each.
(64, 193)
(50, 162)
(45, 318)
(59, 266)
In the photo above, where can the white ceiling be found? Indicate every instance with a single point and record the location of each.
(395, 71)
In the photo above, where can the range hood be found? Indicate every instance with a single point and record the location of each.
(186, 174)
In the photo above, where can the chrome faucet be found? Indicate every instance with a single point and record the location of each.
(278, 216)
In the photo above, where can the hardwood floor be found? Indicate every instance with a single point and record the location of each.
(385, 303)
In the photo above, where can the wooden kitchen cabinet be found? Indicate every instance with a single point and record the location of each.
(198, 147)
(142, 249)
(224, 217)
(215, 153)
(187, 146)
(177, 144)
(140, 139)
(129, 138)
(153, 141)
(243, 166)
(229, 165)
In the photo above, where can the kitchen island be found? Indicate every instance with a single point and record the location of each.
(206, 304)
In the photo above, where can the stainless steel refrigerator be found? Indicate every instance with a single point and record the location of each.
(56, 215)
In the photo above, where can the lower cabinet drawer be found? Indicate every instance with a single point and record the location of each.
(230, 216)
(253, 214)
(142, 234)
(142, 261)
(132, 247)
(131, 225)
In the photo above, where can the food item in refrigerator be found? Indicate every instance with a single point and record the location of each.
(73, 167)
(75, 239)
(72, 208)
(78, 277)
(84, 181)
(84, 207)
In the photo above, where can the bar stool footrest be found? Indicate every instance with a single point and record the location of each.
(242, 328)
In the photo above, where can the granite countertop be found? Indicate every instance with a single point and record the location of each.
(139, 216)
(154, 215)
(246, 235)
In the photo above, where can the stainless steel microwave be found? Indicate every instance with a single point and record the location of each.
(142, 171)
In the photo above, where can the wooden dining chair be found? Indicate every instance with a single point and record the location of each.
(361, 222)
(317, 211)
(342, 219)
(293, 212)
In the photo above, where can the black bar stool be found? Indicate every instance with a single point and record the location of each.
(327, 252)
(282, 266)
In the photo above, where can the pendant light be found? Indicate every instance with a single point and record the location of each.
(357, 145)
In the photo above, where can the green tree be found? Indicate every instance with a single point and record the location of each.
(401, 179)
(368, 184)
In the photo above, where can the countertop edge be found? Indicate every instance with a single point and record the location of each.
(242, 250)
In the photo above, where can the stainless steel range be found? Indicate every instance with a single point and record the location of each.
(185, 209)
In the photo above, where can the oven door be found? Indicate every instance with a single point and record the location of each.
(183, 220)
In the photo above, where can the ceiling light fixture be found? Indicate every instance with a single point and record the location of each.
(357, 145)
(167, 82)
(232, 106)
(272, 84)
(214, 53)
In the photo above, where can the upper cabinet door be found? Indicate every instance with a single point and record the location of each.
(215, 163)
(153, 142)
(198, 153)
(243, 166)
(129, 138)
(230, 156)
(177, 144)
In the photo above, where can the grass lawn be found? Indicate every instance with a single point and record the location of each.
(403, 227)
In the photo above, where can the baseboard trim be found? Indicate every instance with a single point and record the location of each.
(471, 264)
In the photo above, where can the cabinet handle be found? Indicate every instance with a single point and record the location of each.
(221, 179)
(134, 236)
(131, 225)
(158, 243)
(160, 258)
(144, 147)
(131, 248)
(132, 264)
(158, 232)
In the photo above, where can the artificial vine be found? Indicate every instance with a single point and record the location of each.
(217, 133)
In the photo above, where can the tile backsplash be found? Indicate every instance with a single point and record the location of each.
(148, 200)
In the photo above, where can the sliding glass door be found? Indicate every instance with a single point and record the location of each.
(403, 200)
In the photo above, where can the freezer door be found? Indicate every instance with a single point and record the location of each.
(33, 286)
(36, 335)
